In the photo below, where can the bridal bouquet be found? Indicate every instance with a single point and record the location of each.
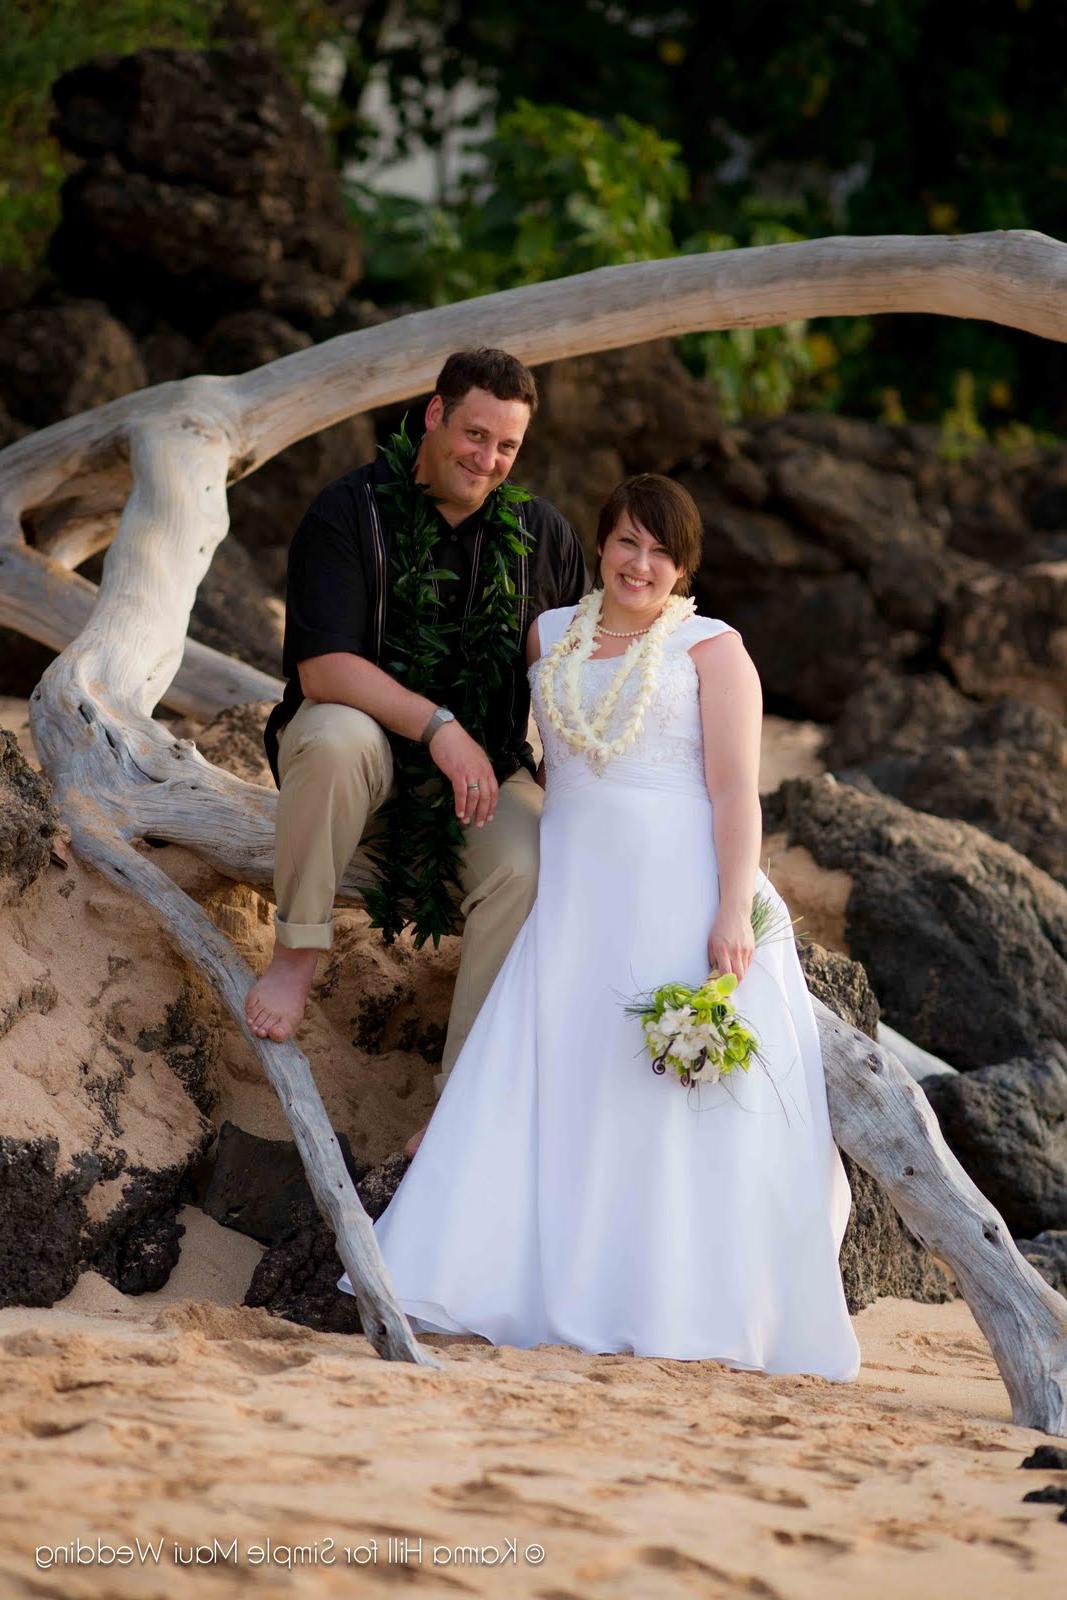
(698, 1033)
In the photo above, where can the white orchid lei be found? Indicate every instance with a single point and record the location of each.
(561, 672)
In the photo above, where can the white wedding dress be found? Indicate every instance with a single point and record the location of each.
(564, 1193)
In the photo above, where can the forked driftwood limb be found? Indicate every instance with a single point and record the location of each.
(157, 463)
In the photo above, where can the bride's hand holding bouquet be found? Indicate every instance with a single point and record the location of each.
(732, 940)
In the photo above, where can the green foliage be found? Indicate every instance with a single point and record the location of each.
(866, 118)
(564, 194)
(962, 432)
(569, 193)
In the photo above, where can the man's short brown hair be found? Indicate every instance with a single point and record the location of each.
(502, 375)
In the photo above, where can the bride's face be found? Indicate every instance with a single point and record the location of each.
(636, 570)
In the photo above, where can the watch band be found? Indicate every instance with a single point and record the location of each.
(438, 720)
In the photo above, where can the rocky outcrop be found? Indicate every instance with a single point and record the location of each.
(1048, 1253)
(1008, 1125)
(205, 188)
(58, 360)
(879, 1256)
(257, 1185)
(603, 417)
(28, 821)
(842, 548)
(105, 1101)
(1006, 635)
(1002, 768)
(965, 942)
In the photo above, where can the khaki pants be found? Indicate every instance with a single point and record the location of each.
(336, 769)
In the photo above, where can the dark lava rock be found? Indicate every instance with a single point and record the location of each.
(258, 1185)
(1006, 636)
(41, 1242)
(964, 941)
(879, 1256)
(205, 188)
(1007, 1124)
(890, 715)
(138, 1246)
(1048, 1253)
(841, 984)
(602, 417)
(1002, 768)
(298, 1278)
(28, 821)
(56, 361)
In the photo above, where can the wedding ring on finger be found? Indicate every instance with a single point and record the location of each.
(474, 786)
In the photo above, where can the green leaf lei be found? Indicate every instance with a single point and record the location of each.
(418, 841)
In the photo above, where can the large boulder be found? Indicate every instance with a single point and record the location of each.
(603, 417)
(1007, 1124)
(823, 551)
(58, 360)
(1002, 768)
(205, 187)
(1006, 636)
(1048, 1253)
(964, 940)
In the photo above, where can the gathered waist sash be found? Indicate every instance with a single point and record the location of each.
(624, 772)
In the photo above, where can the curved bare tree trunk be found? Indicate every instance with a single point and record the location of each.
(157, 463)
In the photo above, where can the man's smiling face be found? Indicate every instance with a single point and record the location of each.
(465, 457)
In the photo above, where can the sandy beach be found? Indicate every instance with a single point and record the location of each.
(185, 1418)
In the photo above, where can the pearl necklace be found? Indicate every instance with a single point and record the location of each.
(561, 677)
(634, 633)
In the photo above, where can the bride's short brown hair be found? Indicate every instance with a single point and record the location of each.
(665, 510)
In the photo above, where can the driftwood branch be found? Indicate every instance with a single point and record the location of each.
(882, 1118)
(157, 464)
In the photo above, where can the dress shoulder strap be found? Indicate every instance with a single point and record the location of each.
(699, 628)
(550, 625)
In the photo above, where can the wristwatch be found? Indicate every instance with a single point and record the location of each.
(438, 720)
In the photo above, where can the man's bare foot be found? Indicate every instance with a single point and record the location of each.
(415, 1140)
(275, 1005)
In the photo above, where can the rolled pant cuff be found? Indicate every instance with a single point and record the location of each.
(303, 935)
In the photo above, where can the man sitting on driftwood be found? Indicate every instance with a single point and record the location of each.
(327, 742)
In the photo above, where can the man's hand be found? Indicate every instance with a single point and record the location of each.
(464, 763)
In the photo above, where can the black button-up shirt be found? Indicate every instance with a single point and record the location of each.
(337, 595)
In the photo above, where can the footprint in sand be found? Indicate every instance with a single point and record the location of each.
(490, 1497)
(253, 1356)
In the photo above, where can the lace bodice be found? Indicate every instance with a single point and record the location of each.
(671, 736)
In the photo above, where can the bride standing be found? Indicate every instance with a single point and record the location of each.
(564, 1193)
